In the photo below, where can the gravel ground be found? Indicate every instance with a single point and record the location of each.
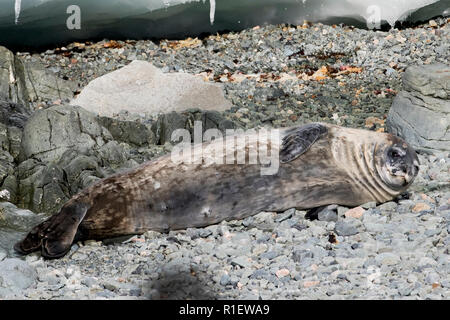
(396, 250)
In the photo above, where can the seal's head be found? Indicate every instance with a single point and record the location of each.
(397, 163)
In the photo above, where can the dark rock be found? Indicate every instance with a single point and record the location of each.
(324, 213)
(13, 114)
(131, 132)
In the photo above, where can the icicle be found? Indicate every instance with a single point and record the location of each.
(17, 10)
(212, 10)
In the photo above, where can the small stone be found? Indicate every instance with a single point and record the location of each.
(225, 279)
(369, 205)
(433, 23)
(344, 229)
(328, 215)
(419, 207)
(282, 273)
(309, 284)
(388, 206)
(241, 261)
(355, 213)
(432, 278)
(387, 258)
(270, 255)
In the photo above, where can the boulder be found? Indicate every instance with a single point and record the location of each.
(44, 85)
(64, 150)
(16, 219)
(144, 89)
(12, 78)
(51, 132)
(421, 112)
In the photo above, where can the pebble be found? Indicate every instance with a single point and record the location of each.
(344, 229)
(356, 213)
(419, 207)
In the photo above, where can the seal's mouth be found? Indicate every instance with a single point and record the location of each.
(402, 174)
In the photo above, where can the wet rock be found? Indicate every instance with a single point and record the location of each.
(142, 88)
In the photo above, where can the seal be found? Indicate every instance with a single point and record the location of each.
(320, 164)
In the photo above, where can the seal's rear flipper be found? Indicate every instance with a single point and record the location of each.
(298, 140)
(33, 240)
(54, 236)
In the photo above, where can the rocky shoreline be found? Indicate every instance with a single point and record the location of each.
(273, 76)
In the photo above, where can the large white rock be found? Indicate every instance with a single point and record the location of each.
(142, 88)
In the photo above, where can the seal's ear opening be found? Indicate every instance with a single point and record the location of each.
(298, 140)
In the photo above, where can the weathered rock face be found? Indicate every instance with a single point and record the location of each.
(12, 120)
(43, 85)
(421, 112)
(144, 89)
(51, 132)
(12, 78)
(63, 151)
(132, 132)
(13, 114)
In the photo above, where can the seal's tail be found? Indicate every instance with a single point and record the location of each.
(55, 235)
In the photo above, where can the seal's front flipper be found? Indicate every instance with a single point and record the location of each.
(54, 236)
(298, 140)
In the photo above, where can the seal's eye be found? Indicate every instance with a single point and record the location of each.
(395, 154)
